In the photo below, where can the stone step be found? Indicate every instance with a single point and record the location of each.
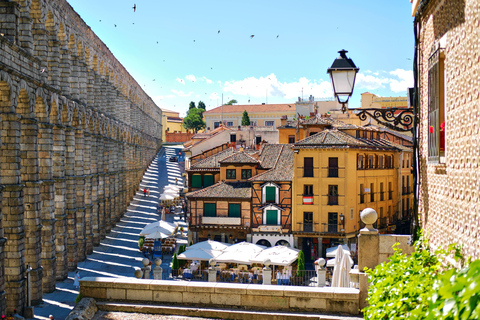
(234, 314)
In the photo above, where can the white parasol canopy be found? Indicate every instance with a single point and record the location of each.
(331, 252)
(341, 271)
(278, 255)
(240, 253)
(209, 245)
(165, 196)
(160, 228)
(199, 254)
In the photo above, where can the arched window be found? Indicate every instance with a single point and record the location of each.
(264, 242)
(284, 243)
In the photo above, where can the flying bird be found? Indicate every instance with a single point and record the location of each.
(278, 36)
(193, 40)
(100, 20)
(218, 31)
(251, 37)
(157, 42)
(153, 80)
(43, 70)
(134, 7)
(115, 25)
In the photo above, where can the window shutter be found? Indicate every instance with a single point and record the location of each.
(196, 181)
(207, 180)
(209, 210)
(272, 217)
(234, 210)
(270, 194)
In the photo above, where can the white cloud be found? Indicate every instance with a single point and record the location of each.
(397, 81)
(191, 77)
(405, 80)
(180, 93)
(181, 81)
(208, 81)
(213, 96)
(370, 82)
(271, 86)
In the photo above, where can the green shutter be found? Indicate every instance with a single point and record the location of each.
(207, 180)
(270, 194)
(209, 210)
(272, 218)
(234, 210)
(196, 181)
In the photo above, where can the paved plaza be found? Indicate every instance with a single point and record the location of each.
(118, 254)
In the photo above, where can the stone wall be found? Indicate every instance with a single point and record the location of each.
(224, 295)
(449, 202)
(76, 135)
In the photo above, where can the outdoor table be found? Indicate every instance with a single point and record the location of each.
(187, 274)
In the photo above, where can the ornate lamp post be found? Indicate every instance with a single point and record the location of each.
(342, 73)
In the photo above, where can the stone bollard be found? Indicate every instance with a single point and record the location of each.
(158, 271)
(212, 272)
(321, 273)
(138, 273)
(267, 273)
(146, 268)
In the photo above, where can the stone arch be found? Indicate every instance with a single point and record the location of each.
(5, 97)
(61, 35)
(80, 51)
(95, 63)
(24, 106)
(88, 61)
(41, 107)
(71, 45)
(101, 71)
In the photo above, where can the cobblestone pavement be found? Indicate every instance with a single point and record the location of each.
(118, 254)
(101, 315)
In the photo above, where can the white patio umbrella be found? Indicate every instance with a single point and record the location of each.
(165, 196)
(331, 252)
(240, 253)
(278, 255)
(160, 226)
(209, 245)
(336, 270)
(345, 267)
(199, 254)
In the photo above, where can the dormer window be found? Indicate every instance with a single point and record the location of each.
(270, 193)
(231, 173)
(272, 215)
(246, 173)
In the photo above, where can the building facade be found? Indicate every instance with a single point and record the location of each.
(447, 83)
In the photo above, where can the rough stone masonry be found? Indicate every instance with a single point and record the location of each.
(76, 135)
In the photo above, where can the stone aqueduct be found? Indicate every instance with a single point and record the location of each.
(76, 134)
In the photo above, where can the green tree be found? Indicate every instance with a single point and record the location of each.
(229, 103)
(201, 105)
(194, 120)
(175, 264)
(245, 118)
(301, 264)
(191, 106)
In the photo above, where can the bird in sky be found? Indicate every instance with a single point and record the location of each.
(134, 7)
(115, 25)
(278, 36)
(100, 20)
(153, 80)
(251, 37)
(218, 31)
(193, 40)
(157, 42)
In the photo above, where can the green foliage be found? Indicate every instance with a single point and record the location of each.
(201, 105)
(78, 298)
(181, 249)
(191, 243)
(229, 103)
(175, 264)
(194, 120)
(301, 264)
(191, 105)
(245, 118)
(141, 241)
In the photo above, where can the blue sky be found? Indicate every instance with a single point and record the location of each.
(175, 52)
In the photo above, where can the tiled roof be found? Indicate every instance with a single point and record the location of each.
(252, 108)
(318, 120)
(239, 157)
(283, 167)
(269, 155)
(222, 189)
(337, 139)
(213, 160)
(395, 133)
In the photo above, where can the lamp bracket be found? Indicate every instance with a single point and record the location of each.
(398, 119)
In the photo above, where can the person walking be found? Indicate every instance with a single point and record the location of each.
(76, 280)
(148, 192)
(144, 192)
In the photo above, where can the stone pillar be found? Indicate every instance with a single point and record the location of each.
(87, 170)
(60, 201)
(267, 273)
(33, 205)
(45, 158)
(107, 168)
(72, 240)
(101, 187)
(13, 212)
(2, 243)
(158, 271)
(95, 195)
(80, 195)
(9, 20)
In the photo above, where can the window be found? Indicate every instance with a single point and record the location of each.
(209, 210)
(272, 217)
(332, 194)
(403, 160)
(246, 173)
(362, 194)
(291, 139)
(216, 125)
(382, 197)
(196, 181)
(307, 221)
(359, 162)
(269, 123)
(357, 134)
(332, 222)
(253, 123)
(408, 161)
(234, 210)
(270, 194)
(390, 191)
(308, 190)
(229, 123)
(333, 167)
(308, 167)
(388, 162)
(404, 190)
(258, 140)
(233, 138)
(370, 162)
(380, 162)
(231, 173)
(208, 180)
(408, 185)
(372, 194)
(436, 107)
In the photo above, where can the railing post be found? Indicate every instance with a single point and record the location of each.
(158, 271)
(212, 272)
(267, 273)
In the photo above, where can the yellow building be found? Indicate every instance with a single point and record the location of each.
(171, 122)
(261, 115)
(338, 173)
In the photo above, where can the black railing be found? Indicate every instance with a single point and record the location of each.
(332, 200)
(331, 228)
(390, 195)
(308, 227)
(382, 196)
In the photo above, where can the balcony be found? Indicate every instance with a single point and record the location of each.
(308, 199)
(308, 227)
(332, 228)
(324, 228)
(227, 221)
(332, 200)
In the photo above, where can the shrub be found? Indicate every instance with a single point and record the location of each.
(175, 264)
(141, 241)
(301, 264)
(78, 298)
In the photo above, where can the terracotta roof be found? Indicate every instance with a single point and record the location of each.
(239, 157)
(222, 189)
(318, 120)
(269, 155)
(283, 168)
(213, 160)
(252, 108)
(332, 138)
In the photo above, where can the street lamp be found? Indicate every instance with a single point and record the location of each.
(342, 73)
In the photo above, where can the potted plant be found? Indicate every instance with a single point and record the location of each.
(175, 265)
